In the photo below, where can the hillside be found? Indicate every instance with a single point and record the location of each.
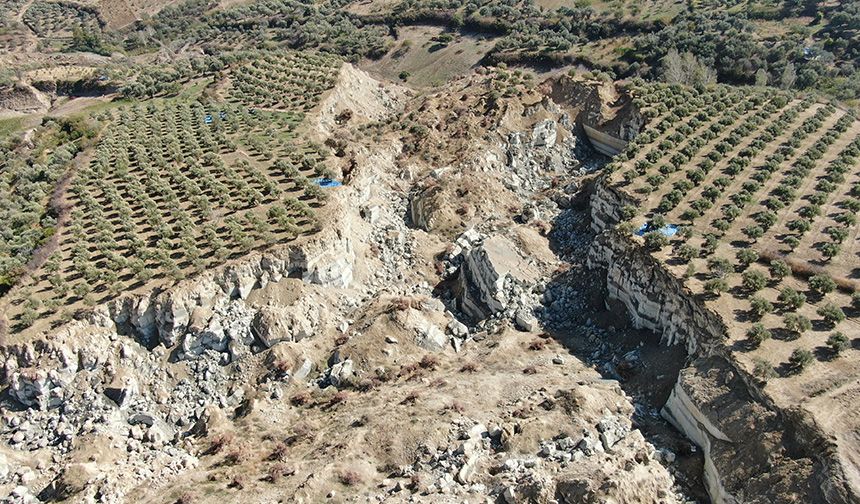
(413, 251)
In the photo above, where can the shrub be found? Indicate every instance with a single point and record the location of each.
(278, 471)
(655, 240)
(757, 334)
(796, 324)
(831, 313)
(219, 442)
(800, 359)
(837, 342)
(822, 284)
(235, 456)
(791, 298)
(754, 280)
(855, 299)
(716, 286)
(779, 269)
(238, 482)
(350, 478)
(469, 367)
(763, 369)
(430, 362)
(747, 256)
(301, 398)
(760, 306)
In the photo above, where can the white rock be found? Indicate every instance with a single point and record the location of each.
(525, 321)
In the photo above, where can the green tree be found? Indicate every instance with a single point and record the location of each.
(655, 240)
(763, 370)
(779, 269)
(747, 256)
(85, 40)
(719, 267)
(831, 313)
(830, 250)
(82, 289)
(822, 284)
(716, 286)
(687, 252)
(758, 334)
(754, 232)
(800, 359)
(791, 298)
(28, 317)
(796, 324)
(838, 342)
(760, 306)
(754, 280)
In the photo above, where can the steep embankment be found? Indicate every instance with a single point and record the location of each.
(753, 449)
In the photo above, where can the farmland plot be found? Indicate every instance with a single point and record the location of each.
(59, 19)
(175, 187)
(763, 190)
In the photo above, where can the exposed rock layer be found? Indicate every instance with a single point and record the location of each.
(763, 456)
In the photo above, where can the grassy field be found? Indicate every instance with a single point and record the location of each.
(10, 126)
(425, 62)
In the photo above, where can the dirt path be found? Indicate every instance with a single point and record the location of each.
(32, 38)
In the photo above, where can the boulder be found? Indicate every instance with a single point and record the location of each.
(525, 320)
(342, 373)
(32, 388)
(122, 388)
(611, 430)
(484, 272)
(303, 370)
(458, 329)
(271, 326)
(430, 337)
(544, 134)
(274, 324)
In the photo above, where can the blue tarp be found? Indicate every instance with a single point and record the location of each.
(208, 119)
(326, 182)
(669, 230)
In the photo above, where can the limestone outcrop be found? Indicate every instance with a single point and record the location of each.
(653, 298)
(487, 271)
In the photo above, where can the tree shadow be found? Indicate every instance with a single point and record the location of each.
(825, 353)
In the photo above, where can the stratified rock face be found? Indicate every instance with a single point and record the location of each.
(485, 270)
(168, 317)
(746, 444)
(655, 300)
(744, 437)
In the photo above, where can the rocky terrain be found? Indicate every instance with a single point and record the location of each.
(399, 355)
(465, 328)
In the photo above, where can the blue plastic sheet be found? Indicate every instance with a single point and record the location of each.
(668, 230)
(326, 182)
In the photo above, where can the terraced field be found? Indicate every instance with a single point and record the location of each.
(763, 191)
